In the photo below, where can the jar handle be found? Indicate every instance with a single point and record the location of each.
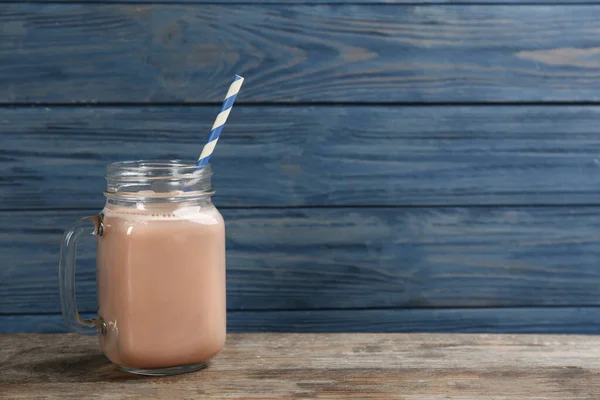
(66, 276)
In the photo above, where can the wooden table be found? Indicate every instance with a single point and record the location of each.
(328, 366)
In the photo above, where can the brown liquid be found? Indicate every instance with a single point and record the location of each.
(161, 285)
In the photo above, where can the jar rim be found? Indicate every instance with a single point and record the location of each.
(156, 170)
(144, 166)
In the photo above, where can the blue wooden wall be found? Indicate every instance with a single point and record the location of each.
(389, 166)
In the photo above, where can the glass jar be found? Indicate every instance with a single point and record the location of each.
(160, 269)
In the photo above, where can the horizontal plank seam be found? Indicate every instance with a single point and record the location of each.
(284, 3)
(313, 207)
(303, 103)
(445, 308)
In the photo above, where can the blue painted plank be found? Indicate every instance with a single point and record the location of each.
(71, 53)
(571, 320)
(351, 258)
(312, 156)
(344, 2)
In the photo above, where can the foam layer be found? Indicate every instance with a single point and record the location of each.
(207, 215)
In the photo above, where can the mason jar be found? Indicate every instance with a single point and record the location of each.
(160, 260)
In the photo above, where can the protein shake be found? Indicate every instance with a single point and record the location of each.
(161, 285)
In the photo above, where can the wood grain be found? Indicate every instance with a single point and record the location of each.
(334, 366)
(93, 53)
(573, 320)
(352, 258)
(345, 2)
(313, 156)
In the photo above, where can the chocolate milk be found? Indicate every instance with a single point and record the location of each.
(161, 285)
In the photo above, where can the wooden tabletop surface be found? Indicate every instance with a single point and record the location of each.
(328, 366)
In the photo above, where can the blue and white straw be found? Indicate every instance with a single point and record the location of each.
(220, 121)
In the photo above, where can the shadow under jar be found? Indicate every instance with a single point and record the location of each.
(160, 269)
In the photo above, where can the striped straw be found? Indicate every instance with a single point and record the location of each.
(220, 121)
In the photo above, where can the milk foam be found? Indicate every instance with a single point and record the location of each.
(205, 215)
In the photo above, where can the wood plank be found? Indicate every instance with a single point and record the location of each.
(352, 258)
(92, 53)
(334, 366)
(345, 2)
(571, 320)
(316, 156)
